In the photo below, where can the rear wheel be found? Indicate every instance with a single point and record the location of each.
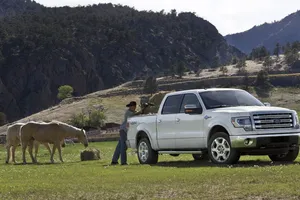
(220, 151)
(146, 154)
(288, 157)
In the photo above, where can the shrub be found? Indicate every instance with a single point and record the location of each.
(79, 120)
(93, 116)
(224, 70)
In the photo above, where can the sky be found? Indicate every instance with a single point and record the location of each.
(228, 16)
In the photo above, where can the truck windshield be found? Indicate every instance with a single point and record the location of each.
(228, 98)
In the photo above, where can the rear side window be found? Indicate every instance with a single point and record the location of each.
(172, 104)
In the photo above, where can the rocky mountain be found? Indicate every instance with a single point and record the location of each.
(96, 47)
(268, 34)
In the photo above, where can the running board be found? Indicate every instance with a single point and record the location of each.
(180, 152)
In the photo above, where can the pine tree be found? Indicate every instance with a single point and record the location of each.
(263, 87)
(268, 62)
(276, 50)
(180, 69)
(150, 85)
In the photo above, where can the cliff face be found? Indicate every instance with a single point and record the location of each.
(96, 47)
(268, 34)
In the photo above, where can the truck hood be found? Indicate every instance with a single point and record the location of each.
(250, 109)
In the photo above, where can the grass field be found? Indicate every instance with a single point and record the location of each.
(172, 178)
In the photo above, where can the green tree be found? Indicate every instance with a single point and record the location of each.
(241, 64)
(199, 71)
(150, 85)
(276, 50)
(263, 87)
(215, 62)
(259, 53)
(291, 54)
(234, 60)
(268, 62)
(224, 70)
(2, 119)
(64, 91)
(180, 69)
(246, 81)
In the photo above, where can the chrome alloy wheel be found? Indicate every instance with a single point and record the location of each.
(220, 149)
(143, 151)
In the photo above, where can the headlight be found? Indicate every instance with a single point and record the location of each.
(242, 122)
(296, 118)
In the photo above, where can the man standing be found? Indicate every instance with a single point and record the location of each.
(122, 147)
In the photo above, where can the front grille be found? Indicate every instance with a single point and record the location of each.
(273, 121)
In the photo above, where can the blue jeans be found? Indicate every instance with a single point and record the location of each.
(121, 148)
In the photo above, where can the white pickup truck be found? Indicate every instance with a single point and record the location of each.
(219, 124)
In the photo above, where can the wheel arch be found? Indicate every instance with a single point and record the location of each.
(216, 129)
(142, 134)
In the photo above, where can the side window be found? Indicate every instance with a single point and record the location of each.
(172, 104)
(189, 99)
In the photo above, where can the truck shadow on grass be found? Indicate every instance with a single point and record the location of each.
(240, 164)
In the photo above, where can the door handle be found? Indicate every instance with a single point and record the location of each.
(159, 121)
(177, 119)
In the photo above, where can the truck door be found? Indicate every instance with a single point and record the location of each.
(166, 131)
(189, 127)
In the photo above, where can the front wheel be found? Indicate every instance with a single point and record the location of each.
(220, 151)
(146, 154)
(288, 157)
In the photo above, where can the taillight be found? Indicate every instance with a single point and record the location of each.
(127, 125)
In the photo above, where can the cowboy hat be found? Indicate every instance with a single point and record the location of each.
(132, 103)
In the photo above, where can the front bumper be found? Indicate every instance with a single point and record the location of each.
(269, 140)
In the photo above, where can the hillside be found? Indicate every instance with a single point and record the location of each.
(268, 34)
(10, 8)
(96, 47)
(115, 99)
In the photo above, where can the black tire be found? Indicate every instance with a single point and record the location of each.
(203, 156)
(289, 157)
(152, 156)
(232, 156)
(174, 155)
